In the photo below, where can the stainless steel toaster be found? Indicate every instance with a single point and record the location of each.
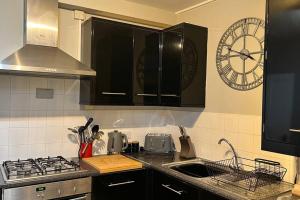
(159, 143)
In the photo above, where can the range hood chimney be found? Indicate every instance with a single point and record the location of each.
(40, 54)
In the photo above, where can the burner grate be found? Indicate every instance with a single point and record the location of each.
(21, 168)
(57, 165)
(38, 167)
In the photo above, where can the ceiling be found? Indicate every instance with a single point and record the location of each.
(170, 5)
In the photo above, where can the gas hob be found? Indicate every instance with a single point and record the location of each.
(25, 170)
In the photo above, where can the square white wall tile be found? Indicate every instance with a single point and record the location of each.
(36, 82)
(5, 100)
(4, 119)
(37, 150)
(72, 86)
(3, 153)
(19, 119)
(230, 122)
(54, 135)
(245, 124)
(57, 103)
(69, 150)
(58, 85)
(20, 84)
(75, 118)
(4, 136)
(20, 101)
(37, 119)
(4, 84)
(37, 135)
(18, 152)
(54, 149)
(37, 104)
(55, 119)
(18, 136)
(71, 102)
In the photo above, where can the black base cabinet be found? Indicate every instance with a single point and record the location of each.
(124, 185)
(146, 184)
(168, 187)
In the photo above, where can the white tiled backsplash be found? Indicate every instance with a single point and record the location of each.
(31, 127)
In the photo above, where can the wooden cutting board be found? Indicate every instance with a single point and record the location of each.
(112, 163)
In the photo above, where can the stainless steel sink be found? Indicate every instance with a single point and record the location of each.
(194, 168)
(197, 171)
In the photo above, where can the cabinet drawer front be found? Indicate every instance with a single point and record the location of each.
(122, 179)
(124, 185)
(170, 186)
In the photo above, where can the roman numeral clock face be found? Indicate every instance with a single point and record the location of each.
(240, 54)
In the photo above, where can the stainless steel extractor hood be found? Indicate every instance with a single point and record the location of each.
(40, 54)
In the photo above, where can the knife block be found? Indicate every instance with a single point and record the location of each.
(187, 148)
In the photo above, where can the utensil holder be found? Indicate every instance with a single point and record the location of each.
(88, 151)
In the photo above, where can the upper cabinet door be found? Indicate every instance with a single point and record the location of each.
(193, 71)
(183, 69)
(281, 118)
(170, 88)
(113, 61)
(146, 67)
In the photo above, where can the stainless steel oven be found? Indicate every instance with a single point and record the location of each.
(76, 189)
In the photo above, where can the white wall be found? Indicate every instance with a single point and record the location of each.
(126, 8)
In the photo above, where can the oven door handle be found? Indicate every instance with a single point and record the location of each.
(80, 198)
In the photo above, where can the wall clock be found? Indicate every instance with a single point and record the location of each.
(240, 54)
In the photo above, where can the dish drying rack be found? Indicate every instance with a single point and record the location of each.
(246, 174)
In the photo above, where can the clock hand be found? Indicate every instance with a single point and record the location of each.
(235, 51)
(243, 54)
(249, 56)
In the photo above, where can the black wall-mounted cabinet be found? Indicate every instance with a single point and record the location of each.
(142, 66)
(281, 104)
(108, 48)
(183, 68)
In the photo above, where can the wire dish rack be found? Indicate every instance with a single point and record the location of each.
(246, 174)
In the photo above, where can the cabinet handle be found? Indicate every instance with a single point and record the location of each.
(123, 183)
(294, 130)
(171, 189)
(169, 95)
(80, 198)
(114, 93)
(147, 95)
